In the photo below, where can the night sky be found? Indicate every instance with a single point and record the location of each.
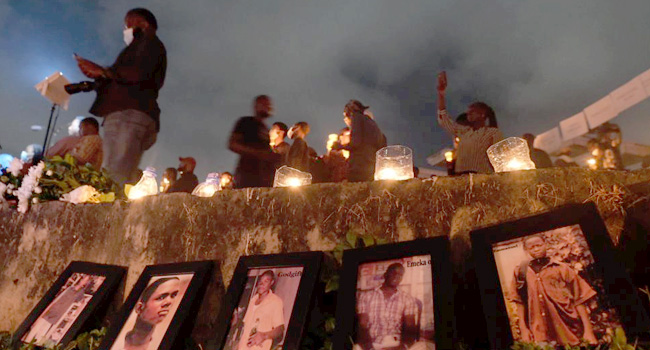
(536, 62)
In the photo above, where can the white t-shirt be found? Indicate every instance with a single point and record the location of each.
(264, 317)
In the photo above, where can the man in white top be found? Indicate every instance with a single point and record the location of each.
(264, 319)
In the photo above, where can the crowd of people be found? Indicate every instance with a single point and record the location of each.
(127, 94)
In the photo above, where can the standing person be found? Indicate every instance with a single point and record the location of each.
(127, 94)
(550, 299)
(538, 156)
(187, 180)
(299, 156)
(365, 140)
(277, 134)
(154, 306)
(250, 139)
(264, 318)
(387, 314)
(475, 139)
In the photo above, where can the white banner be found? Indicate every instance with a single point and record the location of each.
(549, 141)
(574, 126)
(628, 95)
(600, 112)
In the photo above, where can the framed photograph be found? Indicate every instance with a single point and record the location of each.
(396, 297)
(81, 291)
(159, 307)
(554, 278)
(268, 302)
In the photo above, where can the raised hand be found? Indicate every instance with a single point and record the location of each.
(442, 82)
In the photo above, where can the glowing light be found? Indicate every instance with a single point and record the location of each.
(346, 154)
(394, 163)
(147, 185)
(289, 177)
(331, 139)
(387, 174)
(511, 154)
(294, 182)
(449, 156)
(591, 161)
(515, 164)
(209, 187)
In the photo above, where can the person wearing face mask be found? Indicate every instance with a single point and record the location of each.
(127, 94)
(475, 138)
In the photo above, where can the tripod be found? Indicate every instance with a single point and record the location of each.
(48, 137)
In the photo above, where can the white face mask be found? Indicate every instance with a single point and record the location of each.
(128, 36)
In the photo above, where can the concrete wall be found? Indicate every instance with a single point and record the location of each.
(36, 247)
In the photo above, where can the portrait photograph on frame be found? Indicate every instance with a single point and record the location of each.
(396, 296)
(78, 293)
(557, 281)
(268, 301)
(162, 301)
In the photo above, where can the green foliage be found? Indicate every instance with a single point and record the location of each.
(84, 341)
(5, 340)
(320, 337)
(62, 175)
(354, 240)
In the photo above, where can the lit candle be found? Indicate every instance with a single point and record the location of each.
(449, 156)
(510, 154)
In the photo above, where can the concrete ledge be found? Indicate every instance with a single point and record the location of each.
(35, 247)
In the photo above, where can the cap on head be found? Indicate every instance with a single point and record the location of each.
(188, 163)
(354, 106)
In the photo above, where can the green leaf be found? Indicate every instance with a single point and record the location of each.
(381, 241)
(368, 240)
(332, 284)
(330, 324)
(351, 238)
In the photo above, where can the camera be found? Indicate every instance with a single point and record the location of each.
(84, 86)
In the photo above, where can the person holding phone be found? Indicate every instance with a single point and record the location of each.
(127, 94)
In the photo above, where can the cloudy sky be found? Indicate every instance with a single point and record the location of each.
(536, 62)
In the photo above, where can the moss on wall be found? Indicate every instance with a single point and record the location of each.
(35, 247)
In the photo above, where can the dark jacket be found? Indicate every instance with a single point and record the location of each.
(365, 140)
(140, 69)
(185, 183)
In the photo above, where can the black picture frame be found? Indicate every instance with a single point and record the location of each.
(311, 264)
(93, 308)
(437, 248)
(185, 309)
(616, 284)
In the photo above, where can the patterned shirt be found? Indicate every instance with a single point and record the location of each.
(385, 315)
(552, 297)
(89, 150)
(471, 151)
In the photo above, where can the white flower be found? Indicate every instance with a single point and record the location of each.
(30, 182)
(10, 186)
(38, 190)
(49, 173)
(15, 167)
(34, 200)
(10, 191)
